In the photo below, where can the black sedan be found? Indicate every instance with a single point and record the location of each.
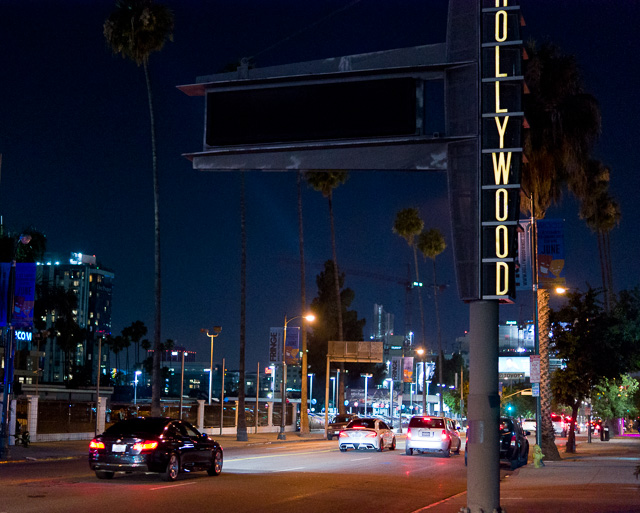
(154, 444)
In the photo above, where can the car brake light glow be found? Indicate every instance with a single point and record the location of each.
(444, 435)
(513, 439)
(95, 444)
(373, 434)
(145, 446)
(409, 433)
(342, 433)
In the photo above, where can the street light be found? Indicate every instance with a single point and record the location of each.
(422, 353)
(9, 349)
(309, 318)
(311, 389)
(216, 332)
(366, 381)
(135, 386)
(391, 415)
(333, 387)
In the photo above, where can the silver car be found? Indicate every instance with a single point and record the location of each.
(369, 433)
(432, 434)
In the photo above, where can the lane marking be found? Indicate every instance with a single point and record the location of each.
(288, 469)
(439, 502)
(172, 485)
(228, 460)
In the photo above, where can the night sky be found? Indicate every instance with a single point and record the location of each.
(74, 138)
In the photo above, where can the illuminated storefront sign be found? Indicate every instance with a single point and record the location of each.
(502, 120)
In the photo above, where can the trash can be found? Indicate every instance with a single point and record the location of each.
(604, 434)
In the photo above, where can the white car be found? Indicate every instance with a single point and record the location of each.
(368, 433)
(529, 425)
(432, 434)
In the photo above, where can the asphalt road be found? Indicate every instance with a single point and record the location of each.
(304, 477)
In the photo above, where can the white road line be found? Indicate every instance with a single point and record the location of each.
(358, 459)
(288, 469)
(172, 486)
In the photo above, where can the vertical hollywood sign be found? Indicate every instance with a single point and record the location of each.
(501, 72)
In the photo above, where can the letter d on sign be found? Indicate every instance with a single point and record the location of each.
(502, 278)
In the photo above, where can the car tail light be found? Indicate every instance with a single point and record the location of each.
(444, 435)
(145, 446)
(342, 433)
(513, 440)
(373, 434)
(409, 433)
(96, 444)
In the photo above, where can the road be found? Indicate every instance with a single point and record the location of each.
(304, 477)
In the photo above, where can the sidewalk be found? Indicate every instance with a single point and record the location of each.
(598, 478)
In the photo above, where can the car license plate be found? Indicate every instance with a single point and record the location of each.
(118, 447)
(425, 433)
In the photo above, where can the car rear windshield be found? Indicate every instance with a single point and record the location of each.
(426, 422)
(137, 426)
(364, 423)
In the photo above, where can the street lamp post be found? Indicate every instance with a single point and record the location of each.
(135, 387)
(216, 332)
(422, 353)
(310, 318)
(333, 387)
(390, 381)
(366, 377)
(311, 388)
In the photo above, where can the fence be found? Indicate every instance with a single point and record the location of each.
(50, 420)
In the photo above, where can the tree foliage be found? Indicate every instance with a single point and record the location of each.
(615, 398)
(323, 306)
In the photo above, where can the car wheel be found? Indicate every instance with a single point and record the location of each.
(343, 449)
(408, 451)
(465, 457)
(216, 464)
(381, 445)
(173, 468)
(457, 451)
(104, 474)
(446, 453)
(393, 444)
(329, 437)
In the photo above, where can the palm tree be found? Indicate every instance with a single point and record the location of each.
(431, 244)
(409, 225)
(136, 29)
(564, 125)
(134, 333)
(241, 432)
(602, 214)
(325, 182)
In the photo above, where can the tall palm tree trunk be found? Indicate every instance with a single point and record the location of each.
(549, 448)
(304, 418)
(156, 382)
(440, 363)
(241, 434)
(603, 267)
(341, 407)
(424, 331)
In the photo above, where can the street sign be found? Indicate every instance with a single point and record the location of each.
(535, 389)
(534, 368)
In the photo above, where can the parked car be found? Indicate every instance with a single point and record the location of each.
(559, 424)
(432, 434)
(338, 423)
(367, 433)
(529, 425)
(514, 446)
(154, 444)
